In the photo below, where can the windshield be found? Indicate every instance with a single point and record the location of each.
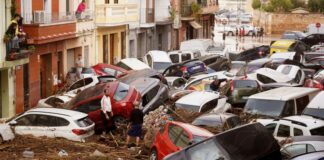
(121, 92)
(319, 76)
(208, 150)
(314, 112)
(161, 66)
(273, 108)
(245, 84)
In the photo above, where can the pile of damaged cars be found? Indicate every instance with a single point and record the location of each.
(199, 102)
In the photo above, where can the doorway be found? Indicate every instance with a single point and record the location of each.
(123, 47)
(45, 74)
(70, 59)
(26, 86)
(112, 48)
(105, 48)
(60, 75)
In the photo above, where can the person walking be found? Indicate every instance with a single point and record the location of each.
(106, 111)
(81, 8)
(135, 125)
(79, 66)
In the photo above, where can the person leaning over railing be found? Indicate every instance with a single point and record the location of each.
(81, 8)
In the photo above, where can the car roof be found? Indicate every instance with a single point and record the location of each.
(104, 65)
(284, 93)
(59, 111)
(159, 56)
(143, 85)
(219, 117)
(310, 156)
(273, 74)
(317, 101)
(309, 121)
(283, 42)
(193, 129)
(307, 138)
(197, 99)
(135, 63)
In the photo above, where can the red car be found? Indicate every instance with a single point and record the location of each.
(103, 69)
(122, 97)
(317, 81)
(174, 137)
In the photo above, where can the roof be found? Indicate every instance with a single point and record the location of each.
(273, 74)
(143, 85)
(193, 129)
(317, 101)
(283, 43)
(196, 99)
(159, 56)
(307, 138)
(134, 63)
(64, 112)
(283, 55)
(284, 93)
(309, 121)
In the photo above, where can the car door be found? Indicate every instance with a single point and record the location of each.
(93, 109)
(25, 124)
(60, 127)
(283, 132)
(171, 136)
(44, 125)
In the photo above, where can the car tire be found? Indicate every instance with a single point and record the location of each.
(120, 121)
(153, 155)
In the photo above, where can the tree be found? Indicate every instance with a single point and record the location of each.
(196, 9)
(313, 5)
(256, 4)
(298, 3)
(279, 5)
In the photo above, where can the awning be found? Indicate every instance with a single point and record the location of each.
(195, 25)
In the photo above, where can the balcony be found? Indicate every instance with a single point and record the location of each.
(116, 14)
(186, 11)
(19, 51)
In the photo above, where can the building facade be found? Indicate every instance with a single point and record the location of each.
(59, 39)
(112, 22)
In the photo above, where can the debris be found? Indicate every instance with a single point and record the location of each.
(63, 153)
(28, 154)
(97, 153)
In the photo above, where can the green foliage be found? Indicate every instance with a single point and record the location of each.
(298, 3)
(256, 4)
(316, 5)
(172, 13)
(279, 6)
(195, 8)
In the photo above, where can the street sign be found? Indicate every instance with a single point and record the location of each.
(318, 25)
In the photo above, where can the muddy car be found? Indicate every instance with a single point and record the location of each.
(251, 54)
(224, 121)
(216, 62)
(248, 142)
(186, 69)
(146, 73)
(154, 93)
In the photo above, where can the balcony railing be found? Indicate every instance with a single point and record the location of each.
(43, 17)
(109, 14)
(17, 49)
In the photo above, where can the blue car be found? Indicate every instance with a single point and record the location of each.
(186, 69)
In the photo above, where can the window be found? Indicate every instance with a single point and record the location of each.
(174, 58)
(149, 60)
(271, 127)
(81, 83)
(84, 122)
(209, 106)
(150, 95)
(283, 131)
(89, 107)
(123, 65)
(54, 101)
(196, 54)
(62, 122)
(265, 79)
(107, 1)
(109, 71)
(289, 109)
(185, 57)
(318, 131)
(174, 132)
(298, 149)
(116, 1)
(302, 103)
(27, 120)
(298, 132)
(46, 120)
(183, 140)
(121, 92)
(286, 70)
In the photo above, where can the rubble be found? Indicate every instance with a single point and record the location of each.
(62, 153)
(97, 153)
(28, 153)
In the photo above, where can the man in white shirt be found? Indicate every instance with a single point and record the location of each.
(106, 110)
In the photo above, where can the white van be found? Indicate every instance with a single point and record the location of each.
(181, 56)
(157, 60)
(280, 102)
(316, 107)
(312, 29)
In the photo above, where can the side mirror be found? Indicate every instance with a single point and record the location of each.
(13, 123)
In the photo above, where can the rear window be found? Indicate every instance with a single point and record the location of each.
(121, 92)
(265, 79)
(245, 84)
(174, 58)
(124, 66)
(53, 101)
(318, 131)
(84, 122)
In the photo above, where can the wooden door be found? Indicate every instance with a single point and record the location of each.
(112, 48)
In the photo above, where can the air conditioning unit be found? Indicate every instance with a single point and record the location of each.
(42, 17)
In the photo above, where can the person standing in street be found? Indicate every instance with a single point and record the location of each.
(106, 111)
(81, 8)
(261, 33)
(79, 66)
(135, 125)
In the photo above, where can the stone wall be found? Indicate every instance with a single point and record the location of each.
(277, 23)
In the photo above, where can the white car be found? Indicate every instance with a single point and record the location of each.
(315, 107)
(301, 145)
(53, 122)
(205, 46)
(132, 64)
(158, 60)
(294, 126)
(85, 83)
(248, 29)
(181, 56)
(55, 101)
(6, 133)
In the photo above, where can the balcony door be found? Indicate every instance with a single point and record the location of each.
(48, 10)
(26, 11)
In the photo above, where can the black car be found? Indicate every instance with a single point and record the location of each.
(186, 69)
(313, 39)
(216, 62)
(251, 54)
(248, 142)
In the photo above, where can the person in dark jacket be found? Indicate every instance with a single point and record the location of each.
(135, 124)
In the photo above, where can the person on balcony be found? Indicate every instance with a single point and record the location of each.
(11, 38)
(81, 8)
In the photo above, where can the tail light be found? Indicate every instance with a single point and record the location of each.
(79, 131)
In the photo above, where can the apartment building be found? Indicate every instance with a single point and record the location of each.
(58, 38)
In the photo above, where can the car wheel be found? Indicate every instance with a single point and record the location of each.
(120, 121)
(153, 155)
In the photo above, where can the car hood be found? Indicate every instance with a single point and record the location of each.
(273, 74)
